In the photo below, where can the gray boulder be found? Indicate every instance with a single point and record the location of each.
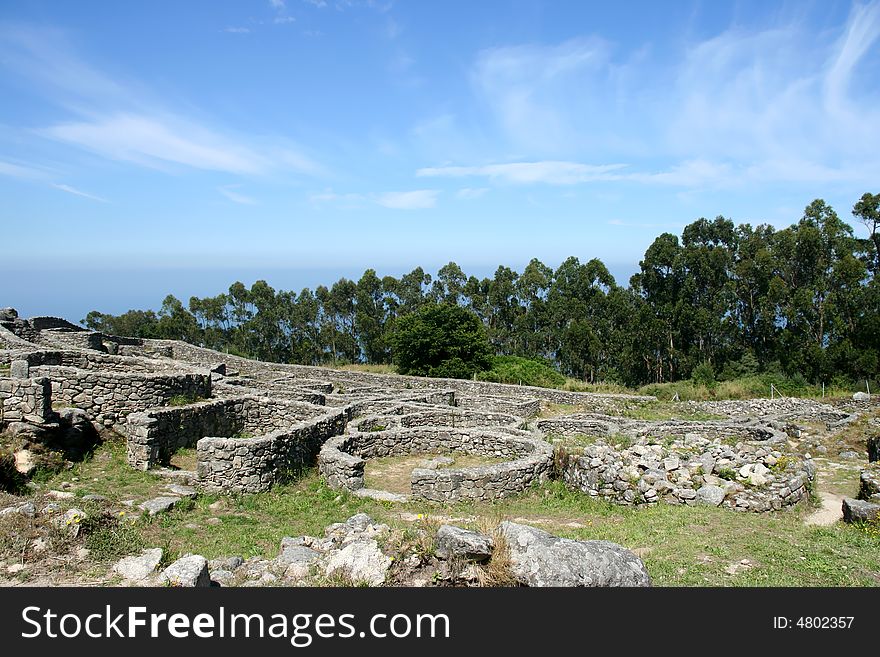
(541, 559)
(139, 568)
(361, 561)
(190, 571)
(860, 510)
(158, 505)
(457, 542)
(861, 396)
(710, 495)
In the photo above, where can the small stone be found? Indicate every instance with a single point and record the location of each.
(15, 568)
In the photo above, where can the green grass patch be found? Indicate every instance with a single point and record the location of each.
(108, 473)
(522, 371)
(184, 400)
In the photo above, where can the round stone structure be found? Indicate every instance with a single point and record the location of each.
(342, 461)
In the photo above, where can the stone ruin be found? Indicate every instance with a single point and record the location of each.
(252, 424)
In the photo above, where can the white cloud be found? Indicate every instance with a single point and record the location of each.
(237, 30)
(413, 200)
(21, 171)
(235, 197)
(277, 4)
(790, 102)
(73, 190)
(550, 172)
(469, 193)
(283, 20)
(149, 141)
(126, 122)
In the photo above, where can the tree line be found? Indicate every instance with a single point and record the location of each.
(803, 301)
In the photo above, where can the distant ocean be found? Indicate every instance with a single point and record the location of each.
(72, 292)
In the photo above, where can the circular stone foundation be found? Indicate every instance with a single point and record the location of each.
(529, 460)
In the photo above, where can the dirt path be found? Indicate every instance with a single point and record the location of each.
(830, 511)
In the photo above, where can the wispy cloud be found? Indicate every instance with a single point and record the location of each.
(419, 199)
(127, 123)
(22, 171)
(76, 192)
(777, 104)
(468, 193)
(229, 192)
(237, 30)
(550, 172)
(415, 200)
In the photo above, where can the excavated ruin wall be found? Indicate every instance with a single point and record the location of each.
(573, 425)
(155, 434)
(108, 397)
(342, 459)
(253, 465)
(25, 400)
(590, 401)
(73, 339)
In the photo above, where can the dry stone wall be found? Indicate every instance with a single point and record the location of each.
(25, 400)
(342, 461)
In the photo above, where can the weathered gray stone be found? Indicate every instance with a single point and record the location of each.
(158, 505)
(183, 491)
(861, 396)
(141, 567)
(541, 559)
(860, 510)
(361, 561)
(457, 542)
(710, 495)
(190, 571)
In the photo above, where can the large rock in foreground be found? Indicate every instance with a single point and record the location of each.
(860, 511)
(190, 571)
(541, 559)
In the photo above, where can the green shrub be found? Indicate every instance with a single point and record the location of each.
(523, 371)
(704, 375)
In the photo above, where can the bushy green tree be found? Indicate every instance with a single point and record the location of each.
(440, 340)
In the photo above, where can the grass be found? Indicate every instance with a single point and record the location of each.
(185, 458)
(184, 400)
(393, 473)
(659, 410)
(368, 368)
(107, 473)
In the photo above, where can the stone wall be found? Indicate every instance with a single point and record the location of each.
(25, 400)
(253, 465)
(108, 397)
(590, 401)
(342, 459)
(73, 339)
(154, 435)
(521, 407)
(604, 425)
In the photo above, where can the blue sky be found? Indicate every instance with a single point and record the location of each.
(167, 146)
